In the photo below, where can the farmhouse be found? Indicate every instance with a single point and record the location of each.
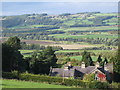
(101, 73)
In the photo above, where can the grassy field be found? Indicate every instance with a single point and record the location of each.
(91, 28)
(26, 51)
(29, 26)
(84, 36)
(27, 84)
(95, 51)
(94, 58)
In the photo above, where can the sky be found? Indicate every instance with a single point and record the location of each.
(18, 8)
(60, 0)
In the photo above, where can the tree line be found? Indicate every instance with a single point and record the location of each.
(12, 59)
(41, 61)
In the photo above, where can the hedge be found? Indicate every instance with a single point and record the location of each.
(10, 75)
(55, 80)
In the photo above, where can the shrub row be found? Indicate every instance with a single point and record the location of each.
(55, 80)
(10, 75)
(52, 80)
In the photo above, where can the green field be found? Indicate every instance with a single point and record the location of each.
(26, 51)
(29, 26)
(95, 51)
(94, 58)
(106, 14)
(87, 28)
(85, 36)
(108, 53)
(27, 84)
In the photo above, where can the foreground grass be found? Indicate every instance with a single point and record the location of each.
(9, 83)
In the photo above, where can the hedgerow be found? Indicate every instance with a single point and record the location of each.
(55, 80)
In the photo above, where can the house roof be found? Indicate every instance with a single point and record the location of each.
(110, 67)
(70, 72)
(84, 70)
(62, 72)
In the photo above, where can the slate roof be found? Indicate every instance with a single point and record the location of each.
(86, 70)
(62, 72)
(110, 67)
(71, 72)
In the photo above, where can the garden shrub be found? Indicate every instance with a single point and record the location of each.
(10, 75)
(115, 85)
(50, 79)
(90, 77)
(98, 85)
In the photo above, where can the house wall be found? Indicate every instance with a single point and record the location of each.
(101, 76)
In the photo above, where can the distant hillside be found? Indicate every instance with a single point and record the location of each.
(63, 20)
(92, 28)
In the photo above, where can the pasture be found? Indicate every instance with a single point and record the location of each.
(7, 83)
(85, 36)
(94, 58)
(90, 28)
(95, 51)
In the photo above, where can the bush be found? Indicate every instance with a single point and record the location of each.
(55, 80)
(115, 85)
(10, 75)
(90, 77)
(40, 78)
(50, 79)
(98, 85)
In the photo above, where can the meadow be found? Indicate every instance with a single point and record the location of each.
(85, 36)
(94, 58)
(11, 83)
(92, 28)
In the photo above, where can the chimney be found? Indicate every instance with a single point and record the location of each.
(105, 66)
(97, 65)
(83, 65)
(69, 64)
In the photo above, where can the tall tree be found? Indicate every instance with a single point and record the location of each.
(105, 61)
(14, 42)
(99, 59)
(11, 57)
(116, 66)
(87, 58)
(41, 62)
